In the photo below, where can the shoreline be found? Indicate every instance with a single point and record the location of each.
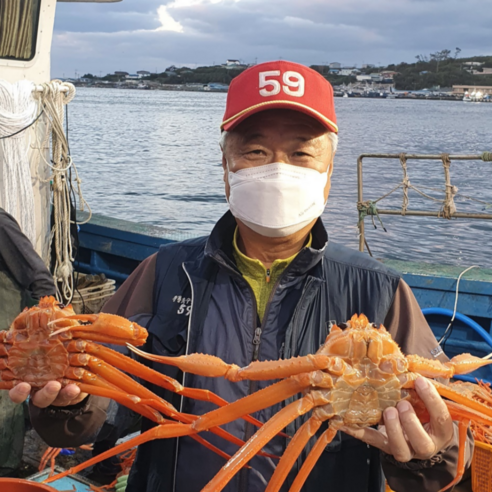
(200, 88)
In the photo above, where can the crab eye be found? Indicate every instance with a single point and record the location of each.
(61, 306)
(343, 326)
(373, 325)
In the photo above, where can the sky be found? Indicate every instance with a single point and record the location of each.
(151, 35)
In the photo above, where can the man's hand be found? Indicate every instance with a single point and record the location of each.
(51, 394)
(403, 436)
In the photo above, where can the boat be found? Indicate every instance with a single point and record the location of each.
(115, 247)
(475, 96)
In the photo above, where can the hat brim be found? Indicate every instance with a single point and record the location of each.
(233, 121)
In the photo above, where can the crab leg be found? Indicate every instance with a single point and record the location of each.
(119, 379)
(262, 436)
(292, 452)
(312, 458)
(8, 385)
(461, 364)
(462, 433)
(166, 431)
(136, 404)
(211, 366)
(149, 399)
(453, 395)
(95, 385)
(262, 399)
(130, 365)
(130, 401)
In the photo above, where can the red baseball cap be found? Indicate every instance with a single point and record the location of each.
(280, 84)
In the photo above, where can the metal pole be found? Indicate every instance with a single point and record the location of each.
(437, 157)
(425, 213)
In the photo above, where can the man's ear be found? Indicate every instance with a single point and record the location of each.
(330, 172)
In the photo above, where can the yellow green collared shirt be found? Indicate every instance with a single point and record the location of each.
(261, 279)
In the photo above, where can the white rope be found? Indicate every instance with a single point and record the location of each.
(456, 302)
(54, 96)
(18, 110)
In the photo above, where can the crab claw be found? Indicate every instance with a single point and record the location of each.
(465, 363)
(107, 328)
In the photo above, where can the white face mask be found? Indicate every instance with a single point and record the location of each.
(277, 199)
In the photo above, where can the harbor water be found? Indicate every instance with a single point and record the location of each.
(154, 157)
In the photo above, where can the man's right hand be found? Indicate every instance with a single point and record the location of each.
(51, 394)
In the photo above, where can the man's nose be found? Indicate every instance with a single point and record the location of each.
(279, 156)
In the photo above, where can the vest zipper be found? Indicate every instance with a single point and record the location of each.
(184, 374)
(253, 385)
(256, 344)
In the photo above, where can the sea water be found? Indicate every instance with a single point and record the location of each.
(153, 157)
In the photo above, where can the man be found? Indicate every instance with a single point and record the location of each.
(266, 284)
(24, 279)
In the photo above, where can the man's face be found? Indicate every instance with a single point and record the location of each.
(278, 135)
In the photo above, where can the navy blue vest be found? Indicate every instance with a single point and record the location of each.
(203, 304)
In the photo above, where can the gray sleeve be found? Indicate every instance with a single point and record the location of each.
(62, 427)
(410, 330)
(21, 260)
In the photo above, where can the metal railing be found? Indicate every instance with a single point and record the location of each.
(448, 211)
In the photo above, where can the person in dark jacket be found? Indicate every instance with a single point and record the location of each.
(24, 279)
(268, 284)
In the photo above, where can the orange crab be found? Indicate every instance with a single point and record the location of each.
(357, 373)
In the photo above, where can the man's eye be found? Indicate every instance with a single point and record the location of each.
(256, 152)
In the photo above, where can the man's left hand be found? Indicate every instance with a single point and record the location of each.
(403, 436)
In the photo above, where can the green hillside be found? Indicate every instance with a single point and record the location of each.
(440, 69)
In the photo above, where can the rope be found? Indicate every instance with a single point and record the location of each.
(369, 208)
(405, 184)
(448, 207)
(487, 156)
(18, 111)
(23, 129)
(54, 99)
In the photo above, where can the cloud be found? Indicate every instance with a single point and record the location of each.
(168, 23)
(153, 34)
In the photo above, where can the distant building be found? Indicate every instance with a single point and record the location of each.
(171, 69)
(461, 89)
(336, 65)
(334, 70)
(346, 72)
(132, 76)
(143, 73)
(121, 74)
(473, 64)
(363, 78)
(485, 71)
(230, 64)
(375, 77)
(387, 74)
